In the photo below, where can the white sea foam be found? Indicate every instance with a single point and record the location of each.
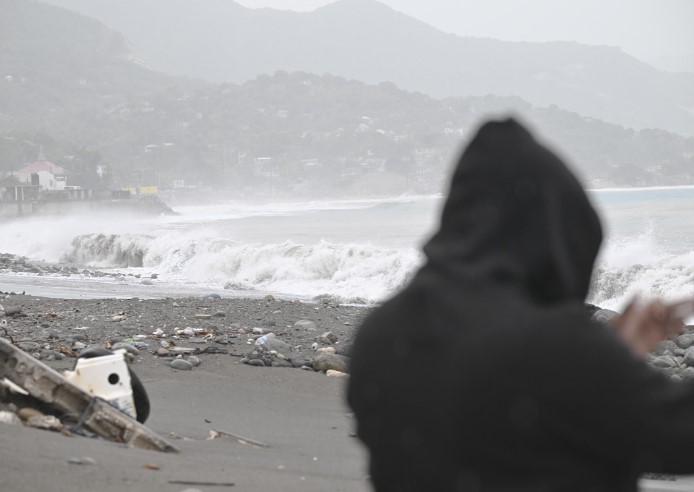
(362, 249)
(638, 266)
(348, 271)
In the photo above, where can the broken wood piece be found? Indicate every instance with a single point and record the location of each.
(97, 415)
(214, 434)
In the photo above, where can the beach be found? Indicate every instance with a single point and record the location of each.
(299, 416)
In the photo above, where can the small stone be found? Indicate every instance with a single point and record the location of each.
(269, 297)
(325, 362)
(13, 311)
(118, 318)
(47, 422)
(181, 365)
(194, 360)
(328, 337)
(27, 412)
(29, 346)
(9, 418)
(202, 316)
(219, 314)
(162, 352)
(336, 374)
(306, 325)
(326, 350)
(128, 348)
(84, 460)
(255, 362)
(78, 346)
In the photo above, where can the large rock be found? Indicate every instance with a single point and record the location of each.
(685, 341)
(326, 362)
(688, 359)
(604, 315)
(665, 346)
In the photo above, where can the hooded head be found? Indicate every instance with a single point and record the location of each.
(515, 213)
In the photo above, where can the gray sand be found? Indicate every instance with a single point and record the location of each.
(301, 416)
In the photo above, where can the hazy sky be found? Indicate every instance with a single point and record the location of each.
(644, 28)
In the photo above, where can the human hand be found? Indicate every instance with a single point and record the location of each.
(642, 327)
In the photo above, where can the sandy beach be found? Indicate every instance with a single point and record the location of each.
(299, 414)
(296, 413)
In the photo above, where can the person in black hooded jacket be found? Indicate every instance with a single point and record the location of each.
(486, 373)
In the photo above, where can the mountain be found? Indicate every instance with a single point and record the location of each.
(71, 85)
(675, 64)
(220, 40)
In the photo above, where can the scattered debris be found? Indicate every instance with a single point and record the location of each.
(215, 434)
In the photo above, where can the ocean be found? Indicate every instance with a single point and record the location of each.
(360, 251)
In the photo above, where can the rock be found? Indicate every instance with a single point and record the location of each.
(336, 374)
(27, 412)
(668, 345)
(118, 318)
(146, 282)
(84, 460)
(29, 346)
(202, 316)
(604, 315)
(162, 352)
(181, 365)
(300, 361)
(219, 314)
(269, 297)
(47, 422)
(306, 325)
(194, 360)
(688, 359)
(51, 355)
(212, 297)
(13, 311)
(9, 418)
(345, 348)
(664, 361)
(326, 350)
(326, 362)
(328, 337)
(688, 373)
(255, 362)
(181, 350)
(78, 346)
(685, 341)
(128, 347)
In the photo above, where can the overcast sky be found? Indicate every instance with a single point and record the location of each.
(647, 29)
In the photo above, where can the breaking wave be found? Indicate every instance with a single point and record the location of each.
(108, 250)
(637, 266)
(349, 271)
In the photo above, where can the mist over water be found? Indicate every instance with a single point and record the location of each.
(357, 250)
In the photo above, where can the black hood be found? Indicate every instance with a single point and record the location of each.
(515, 213)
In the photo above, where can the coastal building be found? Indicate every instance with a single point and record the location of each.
(43, 173)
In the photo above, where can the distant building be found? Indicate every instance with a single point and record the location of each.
(43, 173)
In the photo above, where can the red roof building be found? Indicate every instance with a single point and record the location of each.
(42, 164)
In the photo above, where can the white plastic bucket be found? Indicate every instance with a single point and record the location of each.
(107, 377)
